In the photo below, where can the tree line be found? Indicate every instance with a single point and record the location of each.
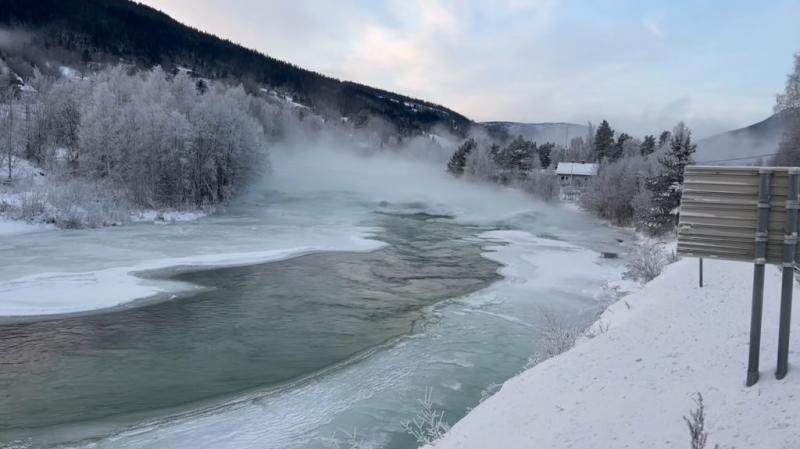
(519, 162)
(638, 181)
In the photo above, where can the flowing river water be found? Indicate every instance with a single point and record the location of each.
(292, 353)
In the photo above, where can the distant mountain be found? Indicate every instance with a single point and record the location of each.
(560, 133)
(91, 32)
(746, 146)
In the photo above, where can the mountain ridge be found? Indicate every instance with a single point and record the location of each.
(80, 31)
(751, 144)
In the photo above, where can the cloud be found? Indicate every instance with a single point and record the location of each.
(526, 60)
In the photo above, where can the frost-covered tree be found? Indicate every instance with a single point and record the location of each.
(542, 184)
(459, 159)
(10, 93)
(612, 193)
(788, 103)
(790, 98)
(579, 150)
(666, 186)
(480, 163)
(603, 141)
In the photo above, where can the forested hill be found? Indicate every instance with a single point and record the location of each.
(74, 32)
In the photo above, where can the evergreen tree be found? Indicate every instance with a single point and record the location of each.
(518, 155)
(545, 154)
(648, 145)
(616, 150)
(603, 141)
(664, 138)
(667, 185)
(459, 159)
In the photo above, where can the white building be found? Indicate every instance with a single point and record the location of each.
(573, 176)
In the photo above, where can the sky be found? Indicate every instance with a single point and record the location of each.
(642, 65)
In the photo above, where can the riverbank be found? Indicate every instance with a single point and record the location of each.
(632, 384)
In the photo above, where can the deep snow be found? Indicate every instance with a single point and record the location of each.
(631, 386)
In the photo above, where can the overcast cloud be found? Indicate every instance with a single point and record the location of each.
(643, 65)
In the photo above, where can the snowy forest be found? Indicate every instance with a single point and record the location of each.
(125, 138)
(638, 181)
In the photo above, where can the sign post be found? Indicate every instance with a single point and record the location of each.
(787, 282)
(723, 210)
(760, 260)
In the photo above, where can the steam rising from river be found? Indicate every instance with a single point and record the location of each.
(392, 180)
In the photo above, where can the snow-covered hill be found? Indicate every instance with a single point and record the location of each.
(560, 133)
(631, 386)
(750, 145)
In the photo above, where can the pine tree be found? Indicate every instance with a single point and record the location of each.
(459, 159)
(603, 141)
(667, 185)
(616, 150)
(518, 155)
(545, 154)
(648, 145)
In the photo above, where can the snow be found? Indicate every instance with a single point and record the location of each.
(630, 386)
(69, 72)
(15, 227)
(168, 216)
(576, 168)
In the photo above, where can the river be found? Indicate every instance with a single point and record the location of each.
(291, 353)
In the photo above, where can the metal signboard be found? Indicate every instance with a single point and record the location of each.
(719, 213)
(746, 214)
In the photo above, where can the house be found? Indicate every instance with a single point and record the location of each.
(573, 176)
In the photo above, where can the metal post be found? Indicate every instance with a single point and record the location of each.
(701, 272)
(789, 250)
(764, 197)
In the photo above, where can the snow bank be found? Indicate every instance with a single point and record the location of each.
(166, 216)
(14, 227)
(630, 386)
(69, 292)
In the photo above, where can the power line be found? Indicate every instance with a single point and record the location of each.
(738, 158)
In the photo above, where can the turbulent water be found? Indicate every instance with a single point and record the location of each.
(292, 353)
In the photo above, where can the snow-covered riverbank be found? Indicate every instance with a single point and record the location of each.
(631, 386)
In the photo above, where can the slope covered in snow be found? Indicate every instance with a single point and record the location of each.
(631, 386)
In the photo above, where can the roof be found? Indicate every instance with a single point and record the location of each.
(576, 168)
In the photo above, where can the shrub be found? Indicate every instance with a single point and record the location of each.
(32, 206)
(555, 337)
(646, 263)
(543, 184)
(428, 426)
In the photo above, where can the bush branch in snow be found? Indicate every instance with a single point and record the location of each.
(428, 426)
(696, 421)
(647, 262)
(555, 337)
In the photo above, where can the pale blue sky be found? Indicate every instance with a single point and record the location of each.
(643, 65)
